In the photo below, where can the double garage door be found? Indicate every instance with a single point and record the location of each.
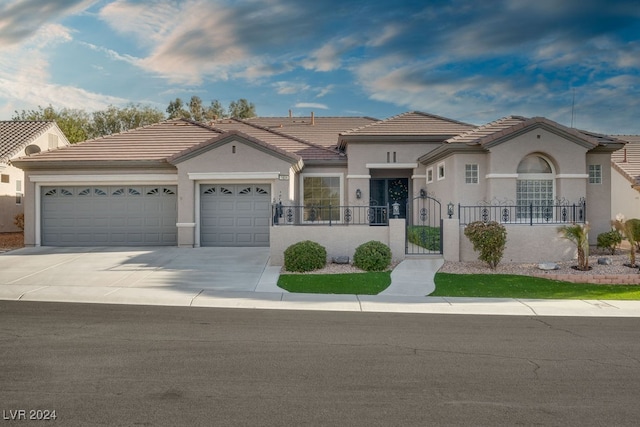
(109, 216)
(234, 215)
(230, 215)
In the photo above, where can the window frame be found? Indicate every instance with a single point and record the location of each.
(430, 175)
(441, 172)
(475, 174)
(596, 178)
(302, 203)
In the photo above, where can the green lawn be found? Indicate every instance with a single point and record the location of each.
(371, 283)
(514, 286)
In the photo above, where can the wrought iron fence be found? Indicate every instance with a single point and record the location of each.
(329, 215)
(552, 213)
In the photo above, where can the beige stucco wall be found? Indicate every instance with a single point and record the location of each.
(624, 199)
(599, 197)
(235, 162)
(338, 240)
(361, 154)
(526, 244)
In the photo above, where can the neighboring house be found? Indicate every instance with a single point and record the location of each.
(339, 181)
(17, 139)
(625, 178)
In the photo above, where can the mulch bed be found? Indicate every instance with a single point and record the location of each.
(9, 241)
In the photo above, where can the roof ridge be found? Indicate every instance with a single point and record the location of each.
(486, 126)
(284, 135)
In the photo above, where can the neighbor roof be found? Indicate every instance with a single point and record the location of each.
(15, 135)
(627, 160)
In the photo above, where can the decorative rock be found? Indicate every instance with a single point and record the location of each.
(604, 261)
(341, 260)
(548, 266)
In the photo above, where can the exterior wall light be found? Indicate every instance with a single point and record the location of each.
(395, 209)
(450, 209)
(358, 194)
(423, 193)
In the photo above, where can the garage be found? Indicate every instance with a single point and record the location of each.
(234, 214)
(109, 215)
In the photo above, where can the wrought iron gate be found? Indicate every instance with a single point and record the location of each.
(424, 226)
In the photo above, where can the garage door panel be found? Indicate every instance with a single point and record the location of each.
(234, 215)
(102, 215)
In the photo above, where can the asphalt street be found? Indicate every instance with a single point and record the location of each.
(97, 364)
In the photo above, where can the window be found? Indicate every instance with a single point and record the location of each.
(534, 188)
(319, 192)
(18, 185)
(4, 179)
(440, 171)
(429, 175)
(18, 198)
(471, 174)
(53, 141)
(595, 174)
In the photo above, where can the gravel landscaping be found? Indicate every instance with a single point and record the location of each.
(10, 241)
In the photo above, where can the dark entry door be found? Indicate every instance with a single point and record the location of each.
(387, 191)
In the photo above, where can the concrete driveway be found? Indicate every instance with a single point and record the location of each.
(220, 269)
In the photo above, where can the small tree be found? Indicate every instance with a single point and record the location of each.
(488, 238)
(627, 230)
(579, 235)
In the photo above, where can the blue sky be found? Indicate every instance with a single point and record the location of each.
(468, 60)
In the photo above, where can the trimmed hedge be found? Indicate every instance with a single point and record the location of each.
(488, 238)
(609, 240)
(372, 256)
(305, 256)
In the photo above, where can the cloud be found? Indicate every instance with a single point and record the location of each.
(311, 105)
(21, 19)
(289, 88)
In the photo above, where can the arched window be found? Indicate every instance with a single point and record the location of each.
(534, 188)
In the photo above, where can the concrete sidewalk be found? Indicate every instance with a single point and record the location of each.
(214, 277)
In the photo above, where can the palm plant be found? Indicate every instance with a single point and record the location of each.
(579, 235)
(627, 230)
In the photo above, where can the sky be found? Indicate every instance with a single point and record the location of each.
(573, 61)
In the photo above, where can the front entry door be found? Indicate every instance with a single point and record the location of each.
(387, 191)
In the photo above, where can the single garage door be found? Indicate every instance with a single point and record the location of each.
(109, 216)
(234, 215)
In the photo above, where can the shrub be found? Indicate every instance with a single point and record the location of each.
(609, 240)
(579, 235)
(424, 236)
(305, 256)
(488, 238)
(18, 220)
(372, 256)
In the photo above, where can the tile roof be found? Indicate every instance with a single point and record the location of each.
(413, 123)
(310, 142)
(323, 131)
(627, 160)
(155, 142)
(495, 131)
(15, 135)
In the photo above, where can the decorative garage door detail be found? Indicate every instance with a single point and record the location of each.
(234, 215)
(109, 216)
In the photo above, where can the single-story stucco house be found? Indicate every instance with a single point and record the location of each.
(17, 139)
(340, 181)
(625, 178)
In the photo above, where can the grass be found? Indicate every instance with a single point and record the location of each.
(516, 286)
(371, 283)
